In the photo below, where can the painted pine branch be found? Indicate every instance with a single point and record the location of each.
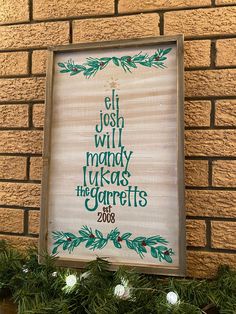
(128, 63)
(95, 240)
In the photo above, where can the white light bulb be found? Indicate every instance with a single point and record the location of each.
(71, 280)
(119, 291)
(172, 298)
(122, 292)
(25, 269)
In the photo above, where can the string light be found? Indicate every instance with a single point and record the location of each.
(119, 291)
(25, 269)
(172, 298)
(54, 274)
(71, 280)
(122, 291)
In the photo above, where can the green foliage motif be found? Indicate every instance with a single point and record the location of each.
(93, 65)
(97, 241)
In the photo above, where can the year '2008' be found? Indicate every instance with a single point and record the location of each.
(106, 215)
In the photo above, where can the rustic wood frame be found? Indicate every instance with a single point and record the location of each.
(178, 40)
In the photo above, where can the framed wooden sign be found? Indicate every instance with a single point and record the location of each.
(113, 183)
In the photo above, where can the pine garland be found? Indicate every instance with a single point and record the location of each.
(93, 65)
(41, 289)
(95, 240)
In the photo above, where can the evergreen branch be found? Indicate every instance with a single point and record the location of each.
(39, 291)
(93, 65)
(95, 240)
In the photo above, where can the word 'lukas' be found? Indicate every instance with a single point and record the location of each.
(109, 165)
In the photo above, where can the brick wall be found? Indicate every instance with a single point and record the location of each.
(28, 27)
